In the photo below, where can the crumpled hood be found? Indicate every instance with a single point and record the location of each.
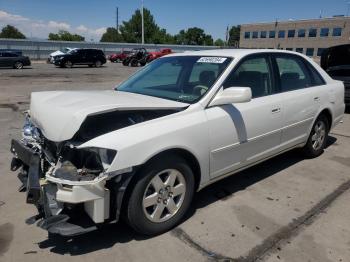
(59, 114)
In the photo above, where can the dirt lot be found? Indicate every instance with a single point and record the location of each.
(286, 209)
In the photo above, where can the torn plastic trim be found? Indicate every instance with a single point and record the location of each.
(102, 177)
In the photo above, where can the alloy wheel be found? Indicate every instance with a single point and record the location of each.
(68, 64)
(164, 195)
(18, 65)
(319, 134)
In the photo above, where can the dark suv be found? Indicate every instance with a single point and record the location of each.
(336, 62)
(13, 59)
(90, 57)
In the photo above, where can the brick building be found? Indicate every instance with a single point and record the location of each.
(309, 37)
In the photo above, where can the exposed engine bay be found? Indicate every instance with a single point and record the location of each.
(84, 164)
(59, 176)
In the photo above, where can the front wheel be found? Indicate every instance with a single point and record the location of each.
(68, 64)
(18, 65)
(161, 196)
(318, 137)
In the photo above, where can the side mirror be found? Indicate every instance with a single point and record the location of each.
(232, 95)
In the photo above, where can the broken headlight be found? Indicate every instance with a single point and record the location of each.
(30, 131)
(106, 155)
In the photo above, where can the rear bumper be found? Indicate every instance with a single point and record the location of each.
(347, 96)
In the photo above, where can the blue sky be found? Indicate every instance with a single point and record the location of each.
(88, 17)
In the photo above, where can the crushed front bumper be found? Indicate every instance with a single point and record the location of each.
(43, 194)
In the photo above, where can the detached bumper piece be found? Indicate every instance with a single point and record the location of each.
(59, 225)
(30, 180)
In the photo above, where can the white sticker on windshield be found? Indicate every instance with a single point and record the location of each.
(212, 59)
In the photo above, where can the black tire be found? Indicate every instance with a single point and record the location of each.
(126, 62)
(68, 64)
(135, 214)
(310, 150)
(18, 65)
(134, 62)
(98, 63)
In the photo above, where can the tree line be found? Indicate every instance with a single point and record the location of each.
(130, 32)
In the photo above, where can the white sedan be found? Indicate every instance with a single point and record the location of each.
(180, 123)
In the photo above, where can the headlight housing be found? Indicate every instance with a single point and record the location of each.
(106, 155)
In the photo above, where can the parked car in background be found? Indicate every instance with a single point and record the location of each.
(336, 62)
(16, 51)
(90, 57)
(119, 57)
(51, 57)
(13, 59)
(141, 151)
(159, 53)
(137, 57)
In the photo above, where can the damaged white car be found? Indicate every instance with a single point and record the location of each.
(182, 122)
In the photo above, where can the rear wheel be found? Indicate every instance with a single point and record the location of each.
(318, 137)
(98, 63)
(161, 196)
(18, 65)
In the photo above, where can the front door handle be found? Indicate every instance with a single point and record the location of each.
(276, 110)
(316, 98)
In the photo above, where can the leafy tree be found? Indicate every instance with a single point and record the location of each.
(234, 35)
(193, 36)
(63, 35)
(219, 42)
(111, 35)
(131, 30)
(10, 31)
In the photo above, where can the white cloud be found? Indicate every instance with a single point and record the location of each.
(41, 29)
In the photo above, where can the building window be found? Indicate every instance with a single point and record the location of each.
(281, 34)
(299, 50)
(272, 34)
(289, 49)
(291, 33)
(324, 32)
(337, 31)
(312, 32)
(310, 51)
(263, 34)
(247, 35)
(301, 33)
(255, 34)
(320, 51)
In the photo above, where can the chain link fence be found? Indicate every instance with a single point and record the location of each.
(40, 49)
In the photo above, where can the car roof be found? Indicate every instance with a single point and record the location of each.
(232, 52)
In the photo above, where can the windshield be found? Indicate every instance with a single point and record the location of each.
(65, 50)
(72, 51)
(179, 78)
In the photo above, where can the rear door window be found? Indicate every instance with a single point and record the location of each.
(293, 73)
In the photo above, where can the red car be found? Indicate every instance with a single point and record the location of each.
(154, 55)
(119, 57)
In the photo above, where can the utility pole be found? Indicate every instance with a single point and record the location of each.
(117, 19)
(143, 29)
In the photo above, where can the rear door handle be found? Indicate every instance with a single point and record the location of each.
(276, 110)
(316, 98)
